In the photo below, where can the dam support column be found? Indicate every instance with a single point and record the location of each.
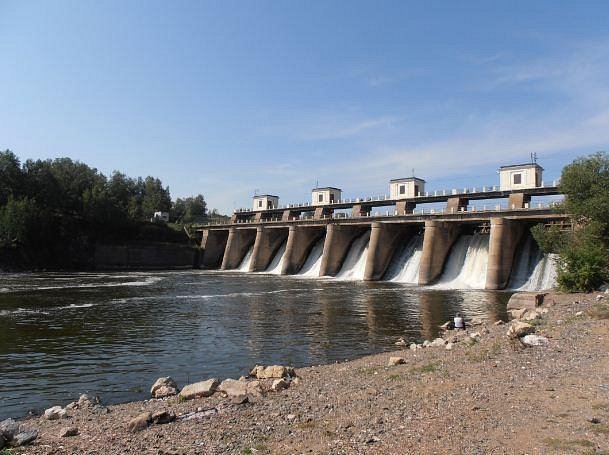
(268, 241)
(238, 243)
(518, 201)
(359, 210)
(338, 240)
(301, 240)
(405, 207)
(437, 241)
(213, 245)
(323, 212)
(505, 237)
(456, 204)
(384, 238)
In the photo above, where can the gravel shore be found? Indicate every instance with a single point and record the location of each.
(487, 395)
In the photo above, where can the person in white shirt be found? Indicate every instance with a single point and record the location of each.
(459, 322)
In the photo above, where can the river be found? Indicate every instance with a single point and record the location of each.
(114, 334)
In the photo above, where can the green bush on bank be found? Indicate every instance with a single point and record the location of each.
(583, 253)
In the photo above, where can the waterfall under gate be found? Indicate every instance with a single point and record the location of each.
(406, 262)
(467, 263)
(532, 270)
(247, 260)
(312, 265)
(354, 265)
(274, 268)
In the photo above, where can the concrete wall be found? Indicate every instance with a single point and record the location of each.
(267, 243)
(339, 238)
(438, 239)
(150, 256)
(301, 239)
(384, 239)
(239, 242)
(505, 237)
(213, 245)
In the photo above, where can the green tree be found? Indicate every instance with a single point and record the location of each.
(11, 177)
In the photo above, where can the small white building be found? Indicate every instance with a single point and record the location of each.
(406, 188)
(324, 196)
(520, 176)
(265, 202)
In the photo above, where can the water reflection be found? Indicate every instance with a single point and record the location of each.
(114, 334)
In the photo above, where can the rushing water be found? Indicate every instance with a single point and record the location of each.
(114, 334)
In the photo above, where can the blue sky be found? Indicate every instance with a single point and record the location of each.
(225, 97)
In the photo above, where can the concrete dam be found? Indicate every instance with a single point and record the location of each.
(456, 246)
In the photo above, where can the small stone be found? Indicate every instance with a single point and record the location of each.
(199, 389)
(449, 346)
(291, 417)
(24, 437)
(140, 422)
(400, 342)
(54, 413)
(68, 432)
(164, 387)
(163, 417)
(446, 325)
(396, 361)
(599, 298)
(239, 399)
(414, 346)
(84, 401)
(579, 313)
(475, 335)
(518, 314)
(272, 372)
(476, 321)
(531, 316)
(280, 384)
(594, 420)
(519, 329)
(499, 322)
(72, 405)
(535, 340)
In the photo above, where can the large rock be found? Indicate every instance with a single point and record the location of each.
(8, 429)
(531, 315)
(438, 342)
(529, 300)
(254, 388)
(518, 314)
(199, 389)
(139, 422)
(55, 413)
(519, 329)
(24, 437)
(162, 417)
(84, 401)
(272, 372)
(164, 387)
(233, 388)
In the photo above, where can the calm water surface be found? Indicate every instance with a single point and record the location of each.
(113, 334)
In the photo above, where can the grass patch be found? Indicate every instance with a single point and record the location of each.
(369, 370)
(254, 449)
(306, 425)
(599, 311)
(485, 354)
(395, 377)
(427, 368)
(561, 444)
(599, 428)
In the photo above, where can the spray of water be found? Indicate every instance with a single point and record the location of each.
(312, 265)
(404, 267)
(355, 263)
(276, 264)
(467, 263)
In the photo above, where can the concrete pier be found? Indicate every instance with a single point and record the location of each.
(518, 200)
(437, 242)
(339, 238)
(384, 239)
(213, 244)
(239, 242)
(301, 239)
(267, 243)
(505, 237)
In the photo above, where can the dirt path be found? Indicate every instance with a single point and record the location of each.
(493, 396)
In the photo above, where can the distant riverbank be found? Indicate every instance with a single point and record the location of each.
(487, 394)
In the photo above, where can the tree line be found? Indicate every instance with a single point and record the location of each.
(52, 212)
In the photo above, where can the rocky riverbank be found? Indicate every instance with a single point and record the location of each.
(536, 385)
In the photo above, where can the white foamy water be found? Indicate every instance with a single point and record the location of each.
(145, 282)
(466, 264)
(276, 264)
(405, 266)
(245, 263)
(532, 270)
(312, 266)
(354, 265)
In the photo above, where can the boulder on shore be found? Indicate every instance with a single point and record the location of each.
(55, 413)
(164, 387)
(68, 432)
(139, 422)
(396, 361)
(233, 388)
(199, 389)
(528, 300)
(272, 372)
(519, 329)
(534, 340)
(280, 384)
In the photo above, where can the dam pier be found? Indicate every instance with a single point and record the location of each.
(368, 236)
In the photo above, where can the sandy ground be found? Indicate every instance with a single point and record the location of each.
(494, 396)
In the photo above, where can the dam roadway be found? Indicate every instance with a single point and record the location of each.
(263, 234)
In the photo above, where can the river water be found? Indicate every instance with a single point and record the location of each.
(113, 334)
